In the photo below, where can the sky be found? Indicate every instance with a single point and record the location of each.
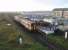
(32, 5)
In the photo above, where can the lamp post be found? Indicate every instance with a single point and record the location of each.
(62, 19)
(62, 13)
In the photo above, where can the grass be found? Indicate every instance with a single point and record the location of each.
(58, 40)
(9, 38)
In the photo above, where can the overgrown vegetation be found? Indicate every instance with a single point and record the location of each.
(9, 35)
(58, 40)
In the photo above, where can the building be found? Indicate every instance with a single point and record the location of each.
(60, 12)
(37, 14)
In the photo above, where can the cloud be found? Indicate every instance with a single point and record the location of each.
(31, 5)
(66, 4)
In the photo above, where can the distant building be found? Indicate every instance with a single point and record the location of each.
(60, 12)
(37, 14)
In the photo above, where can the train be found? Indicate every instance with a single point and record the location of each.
(30, 24)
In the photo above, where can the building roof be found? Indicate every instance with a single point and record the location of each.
(60, 9)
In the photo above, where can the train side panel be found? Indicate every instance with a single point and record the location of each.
(26, 23)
